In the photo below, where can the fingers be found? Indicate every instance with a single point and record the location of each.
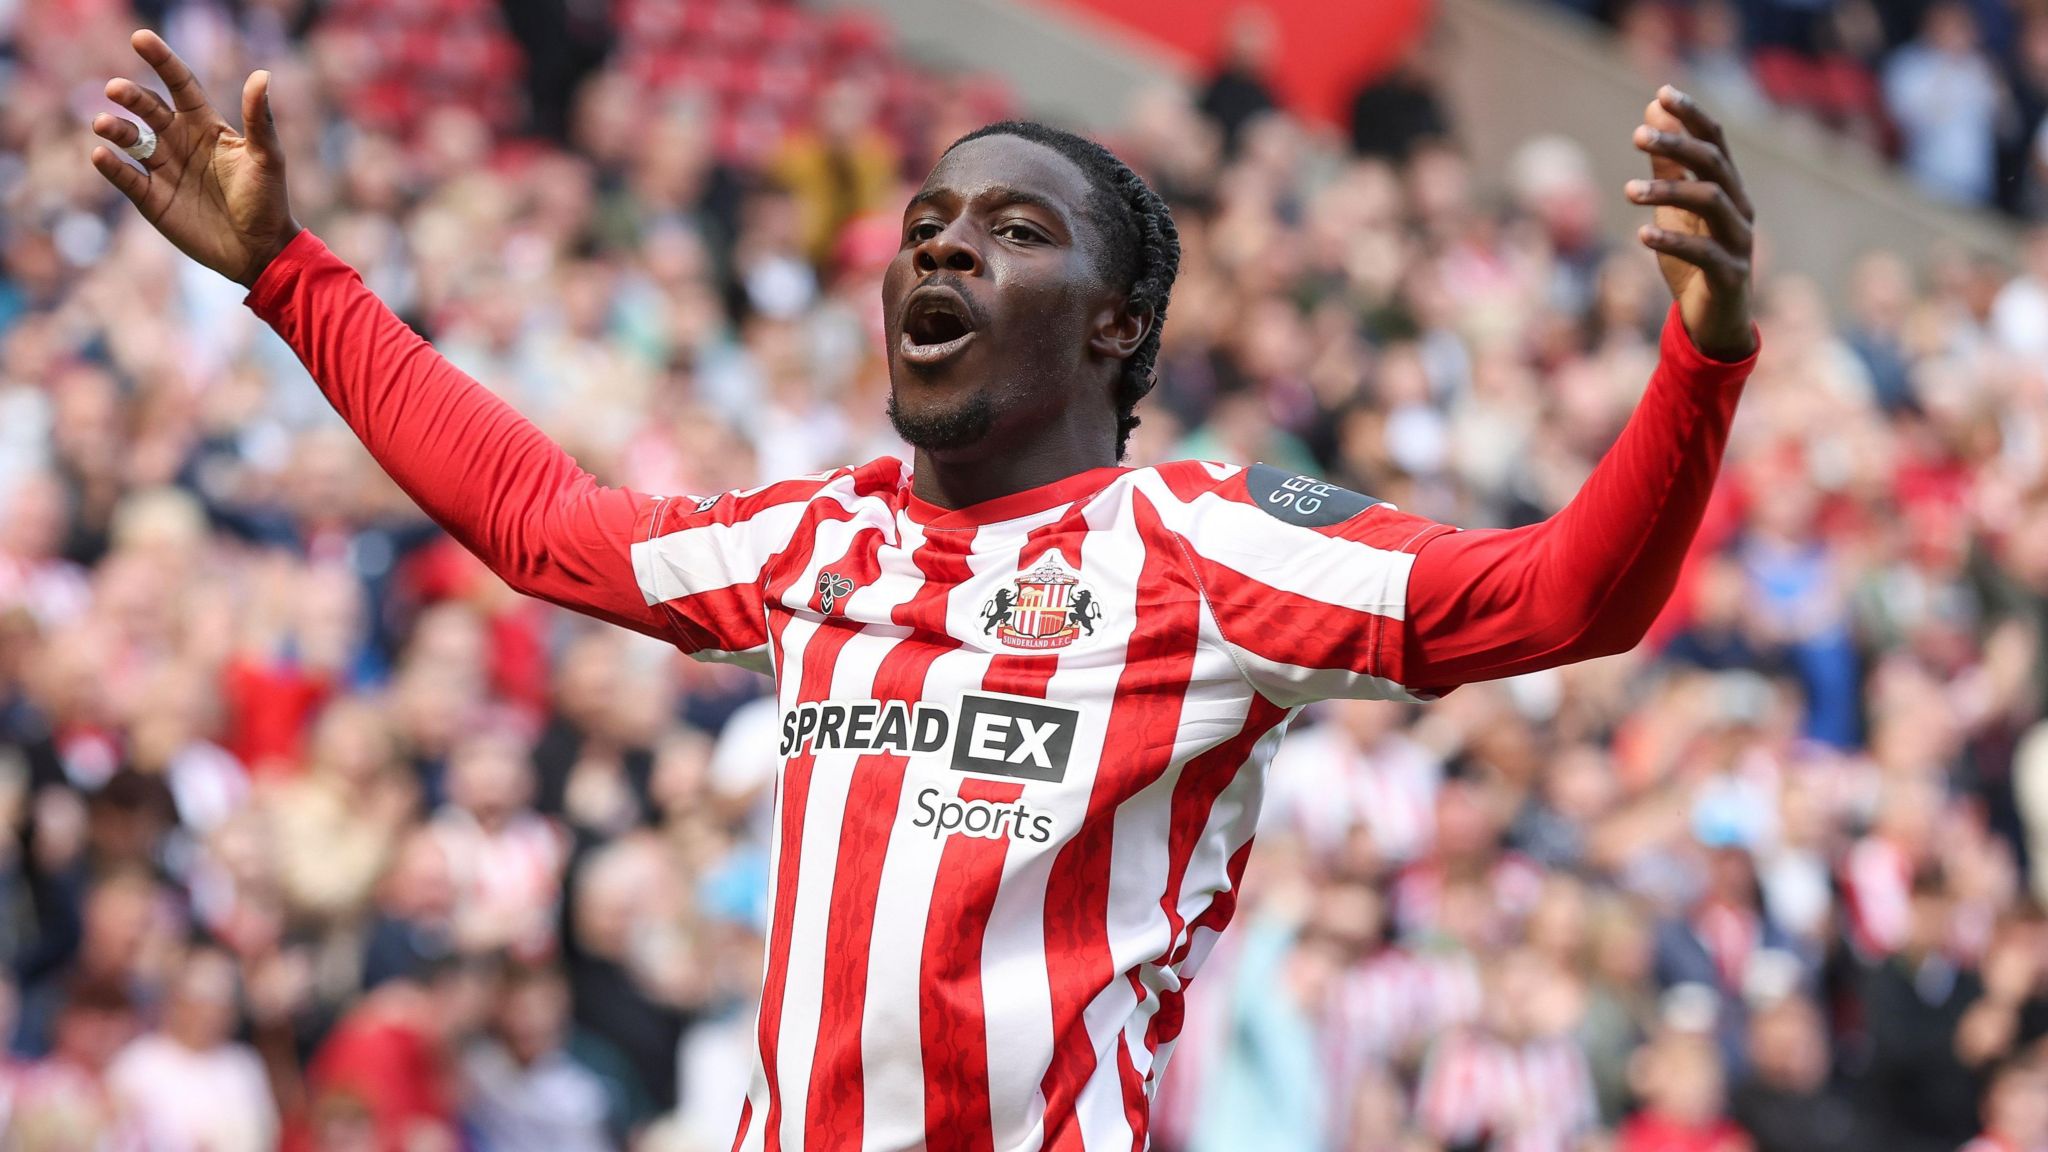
(1656, 118)
(1710, 202)
(1697, 120)
(115, 130)
(1702, 252)
(147, 106)
(1696, 144)
(258, 123)
(131, 181)
(186, 94)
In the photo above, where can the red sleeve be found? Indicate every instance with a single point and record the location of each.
(1588, 581)
(482, 471)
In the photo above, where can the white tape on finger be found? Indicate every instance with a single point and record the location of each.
(145, 147)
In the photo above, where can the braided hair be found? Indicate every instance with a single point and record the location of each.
(1141, 250)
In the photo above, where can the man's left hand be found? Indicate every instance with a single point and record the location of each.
(1704, 228)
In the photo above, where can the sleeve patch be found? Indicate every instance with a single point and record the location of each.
(1302, 500)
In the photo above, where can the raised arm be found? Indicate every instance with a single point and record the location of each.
(493, 480)
(1588, 581)
(483, 472)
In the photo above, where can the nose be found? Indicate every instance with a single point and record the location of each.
(947, 251)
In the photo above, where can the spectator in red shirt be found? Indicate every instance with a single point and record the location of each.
(392, 1061)
(1681, 1081)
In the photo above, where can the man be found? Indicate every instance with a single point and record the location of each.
(1003, 845)
(2015, 1108)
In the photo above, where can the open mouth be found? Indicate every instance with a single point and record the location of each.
(936, 325)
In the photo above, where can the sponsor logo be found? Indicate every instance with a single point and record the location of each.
(832, 588)
(985, 734)
(1302, 500)
(865, 726)
(705, 504)
(1004, 736)
(1045, 608)
(949, 815)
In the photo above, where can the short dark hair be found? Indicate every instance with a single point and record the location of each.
(1142, 249)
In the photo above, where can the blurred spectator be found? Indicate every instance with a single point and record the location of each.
(1516, 1078)
(526, 1091)
(630, 976)
(1789, 1102)
(2022, 162)
(1717, 62)
(337, 824)
(506, 859)
(2019, 315)
(840, 170)
(389, 1069)
(1395, 112)
(1922, 1084)
(1682, 1084)
(2015, 1108)
(64, 1101)
(1946, 97)
(188, 1086)
(412, 925)
(1357, 780)
(1240, 90)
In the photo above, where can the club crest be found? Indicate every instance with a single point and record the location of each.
(1047, 607)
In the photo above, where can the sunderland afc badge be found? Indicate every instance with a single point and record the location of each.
(1046, 607)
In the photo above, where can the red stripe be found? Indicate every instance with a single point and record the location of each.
(836, 1116)
(1137, 1108)
(814, 683)
(725, 619)
(1145, 719)
(1286, 628)
(1189, 480)
(870, 479)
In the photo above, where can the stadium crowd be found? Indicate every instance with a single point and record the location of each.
(317, 837)
(1955, 90)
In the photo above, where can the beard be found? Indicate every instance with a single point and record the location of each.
(940, 427)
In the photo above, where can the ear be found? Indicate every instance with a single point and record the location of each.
(1118, 330)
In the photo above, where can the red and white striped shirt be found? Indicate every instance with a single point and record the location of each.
(1022, 743)
(1535, 1096)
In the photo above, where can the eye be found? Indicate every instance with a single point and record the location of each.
(921, 231)
(1021, 232)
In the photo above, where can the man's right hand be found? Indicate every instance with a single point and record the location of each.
(216, 194)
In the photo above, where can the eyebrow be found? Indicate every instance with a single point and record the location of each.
(1001, 194)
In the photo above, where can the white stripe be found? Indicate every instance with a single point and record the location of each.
(1292, 685)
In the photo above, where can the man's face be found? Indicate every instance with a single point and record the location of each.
(993, 296)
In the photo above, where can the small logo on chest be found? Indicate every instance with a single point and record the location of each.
(1047, 607)
(832, 589)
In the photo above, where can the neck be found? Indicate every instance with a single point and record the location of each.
(1008, 461)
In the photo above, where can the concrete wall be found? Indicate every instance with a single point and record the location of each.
(1515, 69)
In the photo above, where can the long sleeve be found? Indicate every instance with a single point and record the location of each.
(1588, 581)
(483, 472)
